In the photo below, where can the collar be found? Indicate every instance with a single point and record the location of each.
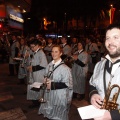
(112, 66)
(14, 41)
(79, 51)
(49, 44)
(64, 44)
(57, 63)
(37, 50)
(108, 57)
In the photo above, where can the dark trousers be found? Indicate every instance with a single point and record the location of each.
(13, 68)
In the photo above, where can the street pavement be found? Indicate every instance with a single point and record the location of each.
(13, 102)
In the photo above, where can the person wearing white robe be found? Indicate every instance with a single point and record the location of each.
(61, 88)
(107, 74)
(79, 71)
(36, 71)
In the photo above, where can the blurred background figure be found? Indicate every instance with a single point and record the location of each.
(92, 49)
(14, 52)
(22, 73)
(79, 71)
(48, 49)
(41, 39)
(74, 44)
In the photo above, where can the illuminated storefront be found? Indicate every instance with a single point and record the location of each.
(11, 14)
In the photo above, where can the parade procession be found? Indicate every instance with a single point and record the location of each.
(59, 64)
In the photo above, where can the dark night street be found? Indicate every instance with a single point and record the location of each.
(13, 103)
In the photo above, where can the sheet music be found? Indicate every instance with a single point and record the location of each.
(90, 111)
(18, 58)
(36, 85)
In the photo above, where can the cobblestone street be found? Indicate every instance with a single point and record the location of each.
(13, 103)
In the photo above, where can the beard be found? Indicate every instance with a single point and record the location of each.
(115, 54)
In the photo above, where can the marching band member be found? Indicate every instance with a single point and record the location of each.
(60, 84)
(79, 71)
(48, 49)
(22, 73)
(74, 45)
(66, 48)
(14, 50)
(36, 70)
(107, 73)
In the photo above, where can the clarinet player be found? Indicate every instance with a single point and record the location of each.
(107, 73)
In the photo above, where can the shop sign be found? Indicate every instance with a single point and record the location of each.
(16, 18)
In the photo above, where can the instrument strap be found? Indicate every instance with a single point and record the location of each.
(109, 69)
(55, 68)
(104, 82)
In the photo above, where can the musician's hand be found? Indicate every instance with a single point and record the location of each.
(27, 54)
(106, 116)
(96, 100)
(48, 82)
(29, 68)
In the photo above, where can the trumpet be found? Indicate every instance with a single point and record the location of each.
(44, 86)
(111, 104)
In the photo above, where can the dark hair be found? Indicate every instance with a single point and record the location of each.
(83, 44)
(111, 26)
(35, 42)
(64, 36)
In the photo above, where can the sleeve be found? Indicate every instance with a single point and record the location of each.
(37, 68)
(82, 59)
(66, 77)
(58, 85)
(92, 82)
(80, 63)
(92, 91)
(115, 114)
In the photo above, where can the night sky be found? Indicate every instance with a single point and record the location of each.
(57, 10)
(71, 7)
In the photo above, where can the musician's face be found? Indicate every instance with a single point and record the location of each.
(63, 40)
(74, 40)
(22, 41)
(112, 42)
(56, 53)
(34, 47)
(80, 47)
